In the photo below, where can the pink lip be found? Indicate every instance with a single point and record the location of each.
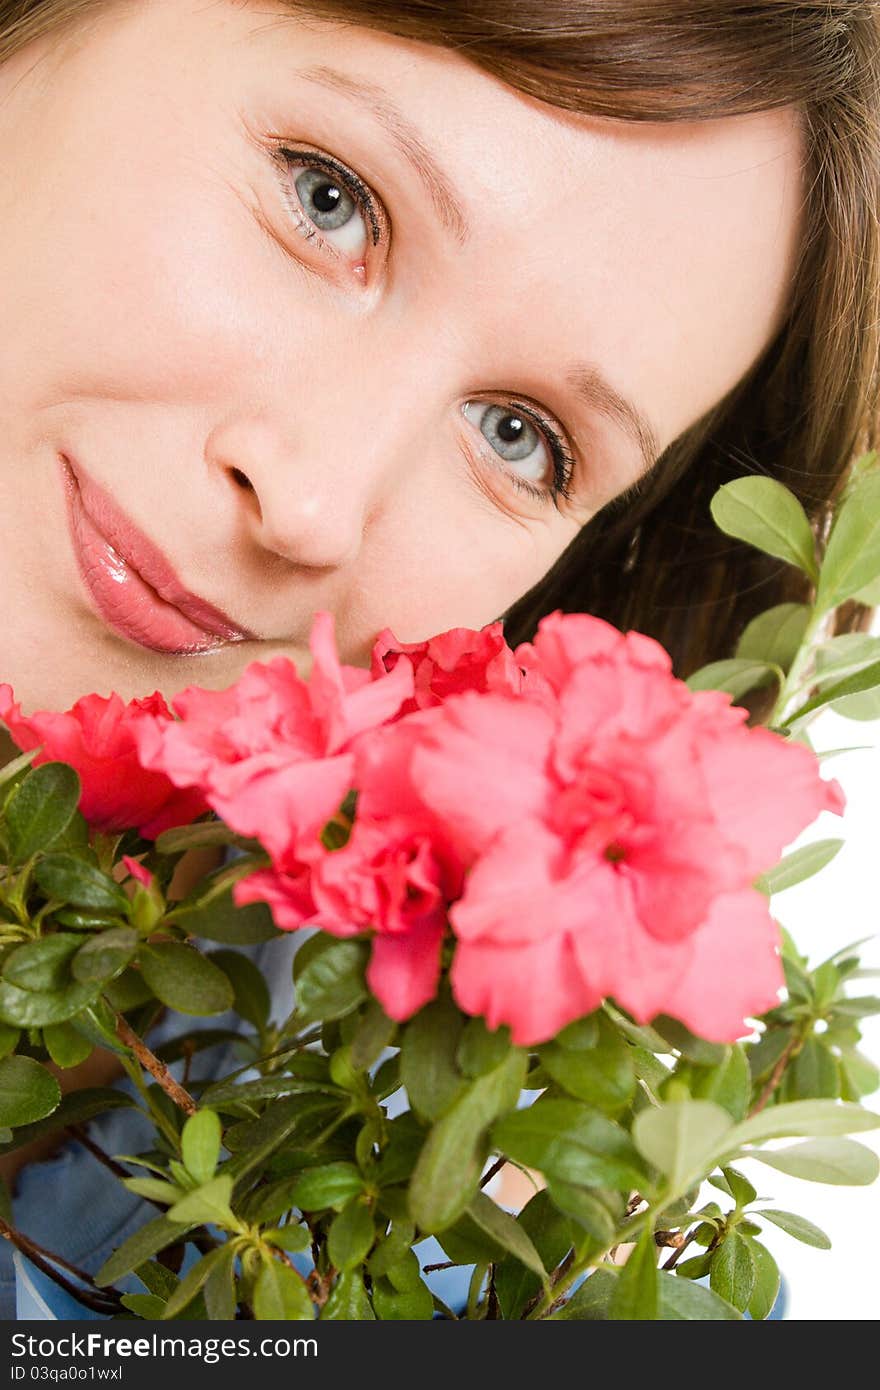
(130, 581)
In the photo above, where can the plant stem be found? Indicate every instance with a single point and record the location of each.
(491, 1172)
(158, 1070)
(796, 670)
(677, 1253)
(578, 1267)
(776, 1075)
(99, 1300)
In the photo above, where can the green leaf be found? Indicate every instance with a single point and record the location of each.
(507, 1232)
(154, 1189)
(129, 991)
(466, 1243)
(602, 1075)
(728, 1085)
(281, 1295)
(859, 1076)
(636, 1295)
(192, 1282)
(588, 1207)
(704, 1054)
(374, 1033)
(852, 558)
(857, 1007)
(328, 973)
(25, 1009)
(767, 1282)
(348, 1301)
(226, 1094)
(591, 1302)
(251, 993)
(448, 1168)
(144, 1305)
(66, 1045)
(682, 1139)
(72, 880)
(428, 1052)
(142, 1246)
(766, 515)
(208, 1204)
(741, 1190)
(105, 955)
(567, 1141)
(159, 1280)
(207, 834)
(775, 636)
(291, 1237)
(28, 1092)
(866, 679)
(736, 676)
(351, 1235)
(814, 1072)
(393, 1248)
(801, 864)
(329, 1185)
(220, 920)
(580, 1035)
(184, 979)
(803, 1117)
(11, 770)
(839, 1162)
(845, 655)
(480, 1050)
(409, 1305)
(219, 1287)
(682, 1301)
(550, 1234)
(678, 1300)
(9, 1037)
(640, 1034)
(733, 1272)
(696, 1268)
(39, 809)
(75, 1109)
(43, 965)
(797, 1226)
(257, 1140)
(200, 1145)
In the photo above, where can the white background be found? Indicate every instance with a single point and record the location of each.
(835, 908)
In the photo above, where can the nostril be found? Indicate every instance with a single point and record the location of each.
(241, 480)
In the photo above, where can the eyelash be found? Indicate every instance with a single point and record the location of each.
(561, 455)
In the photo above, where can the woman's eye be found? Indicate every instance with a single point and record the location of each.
(522, 445)
(331, 205)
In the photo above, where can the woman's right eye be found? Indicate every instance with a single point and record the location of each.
(331, 204)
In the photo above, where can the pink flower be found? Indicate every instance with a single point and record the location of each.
(459, 660)
(614, 823)
(139, 872)
(272, 754)
(395, 877)
(98, 738)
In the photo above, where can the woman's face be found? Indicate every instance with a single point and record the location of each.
(298, 316)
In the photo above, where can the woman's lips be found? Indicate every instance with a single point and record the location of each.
(130, 581)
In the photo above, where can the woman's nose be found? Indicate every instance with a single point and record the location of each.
(307, 500)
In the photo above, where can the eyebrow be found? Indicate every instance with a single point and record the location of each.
(585, 379)
(590, 386)
(405, 137)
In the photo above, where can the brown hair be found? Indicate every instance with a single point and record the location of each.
(653, 559)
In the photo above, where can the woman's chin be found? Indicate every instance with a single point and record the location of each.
(134, 672)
